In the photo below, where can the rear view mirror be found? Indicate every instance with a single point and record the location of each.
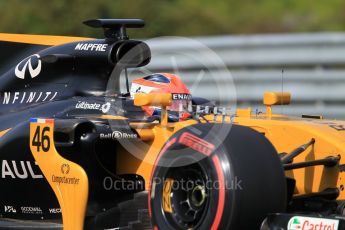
(277, 98)
(155, 99)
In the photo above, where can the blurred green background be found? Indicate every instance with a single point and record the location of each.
(174, 17)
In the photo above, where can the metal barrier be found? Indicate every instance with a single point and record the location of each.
(314, 68)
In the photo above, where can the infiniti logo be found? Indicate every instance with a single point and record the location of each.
(20, 73)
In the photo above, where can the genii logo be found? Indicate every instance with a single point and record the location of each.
(312, 223)
(32, 63)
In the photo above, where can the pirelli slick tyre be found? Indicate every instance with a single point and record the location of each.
(201, 182)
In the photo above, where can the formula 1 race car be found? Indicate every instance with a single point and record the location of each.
(76, 152)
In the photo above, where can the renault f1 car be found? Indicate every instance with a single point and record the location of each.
(77, 153)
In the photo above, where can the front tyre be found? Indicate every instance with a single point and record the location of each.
(200, 183)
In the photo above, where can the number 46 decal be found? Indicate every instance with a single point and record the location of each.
(41, 139)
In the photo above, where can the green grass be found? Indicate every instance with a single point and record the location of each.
(174, 17)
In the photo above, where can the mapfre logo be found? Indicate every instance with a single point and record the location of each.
(33, 64)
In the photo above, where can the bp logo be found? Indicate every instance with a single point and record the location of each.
(312, 223)
(33, 64)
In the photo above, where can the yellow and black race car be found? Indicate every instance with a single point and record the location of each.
(77, 153)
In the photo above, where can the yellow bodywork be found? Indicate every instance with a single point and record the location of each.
(285, 133)
(40, 39)
(67, 179)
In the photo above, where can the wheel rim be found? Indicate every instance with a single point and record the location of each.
(188, 196)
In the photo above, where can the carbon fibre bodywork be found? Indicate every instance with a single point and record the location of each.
(69, 85)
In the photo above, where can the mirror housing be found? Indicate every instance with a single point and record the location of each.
(131, 53)
(155, 99)
(277, 98)
(152, 99)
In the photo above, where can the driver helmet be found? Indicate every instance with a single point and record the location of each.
(165, 83)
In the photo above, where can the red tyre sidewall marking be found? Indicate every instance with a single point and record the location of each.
(196, 143)
(221, 197)
(170, 143)
(192, 141)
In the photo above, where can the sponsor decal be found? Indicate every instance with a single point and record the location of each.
(105, 107)
(93, 106)
(136, 88)
(196, 143)
(31, 210)
(91, 47)
(26, 64)
(65, 168)
(181, 96)
(118, 135)
(54, 210)
(26, 97)
(19, 170)
(65, 180)
(312, 223)
(9, 209)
